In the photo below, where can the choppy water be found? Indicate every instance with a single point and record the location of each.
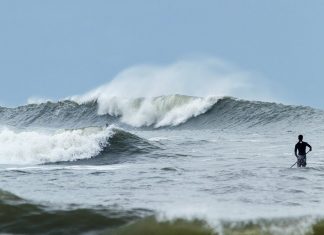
(177, 165)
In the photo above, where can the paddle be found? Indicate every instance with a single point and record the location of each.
(297, 161)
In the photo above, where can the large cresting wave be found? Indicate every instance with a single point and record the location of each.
(173, 111)
(158, 111)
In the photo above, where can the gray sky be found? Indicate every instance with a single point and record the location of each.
(59, 48)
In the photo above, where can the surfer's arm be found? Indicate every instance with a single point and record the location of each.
(310, 147)
(296, 151)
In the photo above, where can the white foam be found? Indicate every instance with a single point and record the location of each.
(159, 111)
(63, 167)
(34, 147)
(157, 139)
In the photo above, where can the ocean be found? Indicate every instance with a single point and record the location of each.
(165, 165)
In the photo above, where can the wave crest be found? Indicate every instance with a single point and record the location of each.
(158, 111)
(36, 147)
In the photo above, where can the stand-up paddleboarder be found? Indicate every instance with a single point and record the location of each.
(301, 147)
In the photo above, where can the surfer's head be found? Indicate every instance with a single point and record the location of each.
(300, 137)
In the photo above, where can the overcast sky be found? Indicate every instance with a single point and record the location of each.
(54, 49)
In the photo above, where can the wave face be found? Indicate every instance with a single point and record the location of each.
(158, 112)
(233, 113)
(65, 114)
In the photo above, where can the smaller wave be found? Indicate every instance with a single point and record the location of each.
(123, 147)
(36, 147)
(92, 145)
(18, 216)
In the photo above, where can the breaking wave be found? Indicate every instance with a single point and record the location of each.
(33, 147)
(37, 147)
(159, 112)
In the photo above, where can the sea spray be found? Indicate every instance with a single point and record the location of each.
(191, 77)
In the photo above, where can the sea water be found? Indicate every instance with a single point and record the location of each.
(220, 166)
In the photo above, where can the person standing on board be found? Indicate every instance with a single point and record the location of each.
(301, 147)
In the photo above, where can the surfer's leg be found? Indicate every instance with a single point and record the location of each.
(299, 161)
(304, 161)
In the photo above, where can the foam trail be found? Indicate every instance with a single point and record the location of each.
(34, 147)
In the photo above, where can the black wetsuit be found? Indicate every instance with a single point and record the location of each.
(301, 147)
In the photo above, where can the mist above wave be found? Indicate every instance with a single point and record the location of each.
(199, 82)
(196, 77)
